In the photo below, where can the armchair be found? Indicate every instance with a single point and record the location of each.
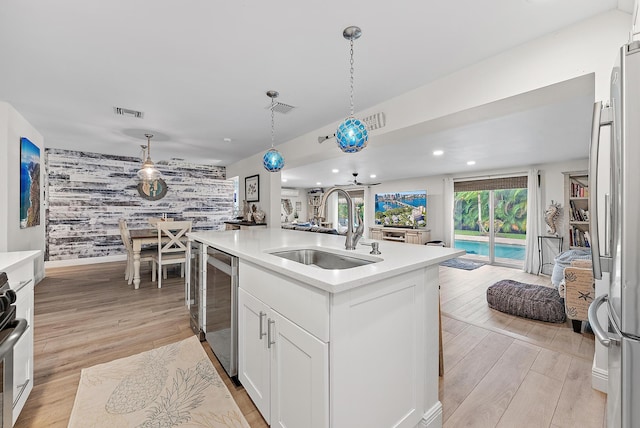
(578, 291)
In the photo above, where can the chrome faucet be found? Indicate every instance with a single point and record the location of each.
(352, 236)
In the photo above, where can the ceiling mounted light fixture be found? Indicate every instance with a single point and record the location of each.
(352, 135)
(148, 172)
(272, 159)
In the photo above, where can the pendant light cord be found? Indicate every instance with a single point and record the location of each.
(273, 132)
(351, 79)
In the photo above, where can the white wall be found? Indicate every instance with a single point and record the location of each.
(13, 126)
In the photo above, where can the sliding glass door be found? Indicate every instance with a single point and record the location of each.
(490, 219)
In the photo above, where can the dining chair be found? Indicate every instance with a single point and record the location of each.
(154, 220)
(145, 255)
(172, 248)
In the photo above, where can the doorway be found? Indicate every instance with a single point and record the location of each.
(490, 219)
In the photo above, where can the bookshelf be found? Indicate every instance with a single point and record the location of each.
(577, 209)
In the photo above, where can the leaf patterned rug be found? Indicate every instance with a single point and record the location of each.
(171, 386)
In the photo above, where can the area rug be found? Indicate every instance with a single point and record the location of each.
(459, 263)
(171, 386)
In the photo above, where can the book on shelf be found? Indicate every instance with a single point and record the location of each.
(577, 214)
(579, 238)
(579, 191)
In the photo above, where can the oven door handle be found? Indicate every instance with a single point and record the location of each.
(19, 327)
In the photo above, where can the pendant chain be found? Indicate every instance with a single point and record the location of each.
(273, 132)
(351, 79)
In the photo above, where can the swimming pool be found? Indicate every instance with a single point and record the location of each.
(502, 251)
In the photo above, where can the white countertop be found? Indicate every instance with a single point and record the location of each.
(254, 246)
(10, 259)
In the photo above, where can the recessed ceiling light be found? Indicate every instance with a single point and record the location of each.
(284, 180)
(438, 152)
(335, 170)
(226, 139)
(318, 183)
(372, 176)
(471, 163)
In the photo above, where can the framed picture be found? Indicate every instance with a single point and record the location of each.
(252, 188)
(29, 184)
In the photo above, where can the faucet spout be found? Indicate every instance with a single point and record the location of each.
(352, 236)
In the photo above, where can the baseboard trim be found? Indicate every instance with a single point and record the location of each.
(599, 378)
(433, 417)
(84, 261)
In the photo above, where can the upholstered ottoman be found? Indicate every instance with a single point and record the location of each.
(526, 300)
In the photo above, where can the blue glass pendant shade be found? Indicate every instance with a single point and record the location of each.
(352, 135)
(273, 160)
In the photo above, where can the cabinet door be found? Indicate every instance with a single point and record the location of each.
(22, 371)
(299, 376)
(22, 283)
(412, 238)
(254, 359)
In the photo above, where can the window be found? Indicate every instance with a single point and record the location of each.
(358, 200)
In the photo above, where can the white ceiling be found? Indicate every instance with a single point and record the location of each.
(199, 71)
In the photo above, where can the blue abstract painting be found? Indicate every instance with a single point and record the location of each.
(29, 184)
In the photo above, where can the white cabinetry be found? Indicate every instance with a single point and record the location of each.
(283, 367)
(19, 267)
(382, 371)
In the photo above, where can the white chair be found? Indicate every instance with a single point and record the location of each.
(154, 220)
(145, 255)
(171, 248)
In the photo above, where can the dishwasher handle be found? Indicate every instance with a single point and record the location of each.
(601, 334)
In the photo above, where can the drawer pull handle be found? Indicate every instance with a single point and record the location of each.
(23, 284)
(21, 388)
(262, 315)
(270, 342)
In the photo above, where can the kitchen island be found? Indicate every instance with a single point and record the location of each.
(336, 347)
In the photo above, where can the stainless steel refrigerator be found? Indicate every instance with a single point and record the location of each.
(615, 235)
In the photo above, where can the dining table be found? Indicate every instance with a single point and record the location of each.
(140, 237)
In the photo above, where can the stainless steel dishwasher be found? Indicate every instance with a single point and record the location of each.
(213, 297)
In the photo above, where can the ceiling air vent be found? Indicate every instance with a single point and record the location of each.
(119, 111)
(375, 121)
(281, 107)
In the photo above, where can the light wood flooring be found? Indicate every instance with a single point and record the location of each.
(499, 370)
(506, 371)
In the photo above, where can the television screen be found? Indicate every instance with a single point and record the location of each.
(402, 208)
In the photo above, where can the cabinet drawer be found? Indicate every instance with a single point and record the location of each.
(24, 305)
(306, 306)
(20, 276)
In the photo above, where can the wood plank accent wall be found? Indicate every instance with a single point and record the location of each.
(87, 193)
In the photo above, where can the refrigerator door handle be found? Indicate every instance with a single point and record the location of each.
(600, 333)
(593, 186)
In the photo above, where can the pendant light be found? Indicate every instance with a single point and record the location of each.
(352, 135)
(148, 172)
(272, 159)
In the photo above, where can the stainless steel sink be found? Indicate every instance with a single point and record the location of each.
(323, 259)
